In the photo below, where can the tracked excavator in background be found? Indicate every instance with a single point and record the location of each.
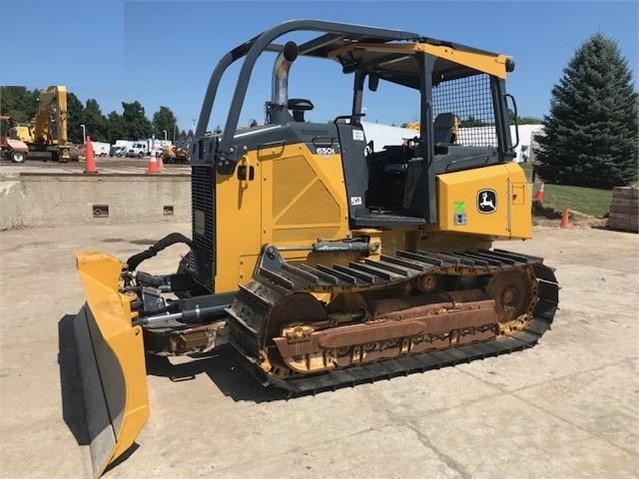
(324, 263)
(46, 136)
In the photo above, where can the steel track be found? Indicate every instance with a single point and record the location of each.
(275, 279)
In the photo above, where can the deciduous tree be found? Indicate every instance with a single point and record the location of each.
(19, 103)
(164, 120)
(75, 118)
(135, 124)
(115, 127)
(95, 122)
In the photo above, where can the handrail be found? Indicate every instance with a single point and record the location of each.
(252, 49)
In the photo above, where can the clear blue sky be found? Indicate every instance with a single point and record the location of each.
(163, 52)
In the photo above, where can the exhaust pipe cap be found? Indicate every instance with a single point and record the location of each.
(291, 51)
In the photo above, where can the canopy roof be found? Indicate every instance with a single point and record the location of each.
(395, 60)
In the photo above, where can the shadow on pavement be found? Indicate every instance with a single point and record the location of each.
(225, 368)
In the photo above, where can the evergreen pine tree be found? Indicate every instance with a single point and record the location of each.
(591, 131)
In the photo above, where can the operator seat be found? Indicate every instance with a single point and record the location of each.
(298, 106)
(444, 129)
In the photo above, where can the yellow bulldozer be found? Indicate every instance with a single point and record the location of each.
(323, 262)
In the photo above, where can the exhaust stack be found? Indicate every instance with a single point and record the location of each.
(277, 109)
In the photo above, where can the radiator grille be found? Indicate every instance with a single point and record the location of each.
(203, 204)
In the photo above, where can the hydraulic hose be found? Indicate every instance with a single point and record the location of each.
(134, 261)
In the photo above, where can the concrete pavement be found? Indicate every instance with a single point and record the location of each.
(566, 408)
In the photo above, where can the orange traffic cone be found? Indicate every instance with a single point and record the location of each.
(89, 166)
(161, 162)
(565, 219)
(153, 165)
(539, 196)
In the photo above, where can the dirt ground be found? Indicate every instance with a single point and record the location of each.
(566, 408)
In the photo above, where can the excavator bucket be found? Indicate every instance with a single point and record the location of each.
(111, 360)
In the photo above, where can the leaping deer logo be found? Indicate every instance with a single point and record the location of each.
(486, 201)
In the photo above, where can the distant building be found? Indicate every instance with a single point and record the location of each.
(383, 135)
(527, 133)
(486, 136)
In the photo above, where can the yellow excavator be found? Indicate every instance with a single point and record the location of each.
(174, 154)
(46, 135)
(322, 262)
(180, 151)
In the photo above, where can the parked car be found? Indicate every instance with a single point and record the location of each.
(117, 151)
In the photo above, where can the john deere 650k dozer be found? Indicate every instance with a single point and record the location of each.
(324, 260)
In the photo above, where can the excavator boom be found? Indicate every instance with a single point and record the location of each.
(47, 135)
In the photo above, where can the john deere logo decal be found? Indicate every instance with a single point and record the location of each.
(487, 201)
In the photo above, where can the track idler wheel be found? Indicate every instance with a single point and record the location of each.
(290, 316)
(512, 292)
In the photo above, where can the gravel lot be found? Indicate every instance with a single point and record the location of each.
(564, 409)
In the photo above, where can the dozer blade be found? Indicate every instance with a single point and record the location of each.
(111, 359)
